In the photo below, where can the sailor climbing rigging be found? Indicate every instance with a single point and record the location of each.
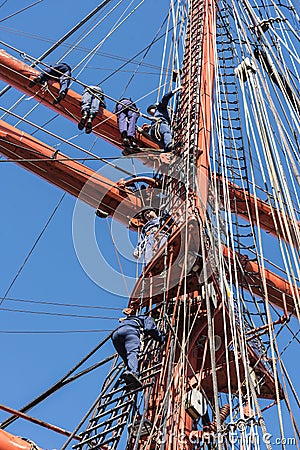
(127, 341)
(154, 234)
(61, 72)
(92, 100)
(161, 124)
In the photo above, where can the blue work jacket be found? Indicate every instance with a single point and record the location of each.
(143, 323)
(161, 111)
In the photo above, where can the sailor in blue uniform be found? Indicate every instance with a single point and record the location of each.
(127, 114)
(92, 100)
(161, 125)
(127, 340)
(61, 72)
(154, 233)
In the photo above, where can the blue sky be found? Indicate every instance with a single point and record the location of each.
(32, 361)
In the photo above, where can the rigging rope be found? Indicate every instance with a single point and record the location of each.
(58, 385)
(287, 201)
(118, 258)
(90, 55)
(3, 3)
(21, 10)
(32, 249)
(141, 60)
(72, 305)
(69, 143)
(54, 332)
(64, 38)
(82, 49)
(56, 314)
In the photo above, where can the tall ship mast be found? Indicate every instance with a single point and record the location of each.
(222, 281)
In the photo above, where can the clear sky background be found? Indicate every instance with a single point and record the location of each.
(37, 349)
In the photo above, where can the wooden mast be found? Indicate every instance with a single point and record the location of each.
(198, 73)
(194, 131)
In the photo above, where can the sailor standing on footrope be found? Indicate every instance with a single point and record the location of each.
(127, 341)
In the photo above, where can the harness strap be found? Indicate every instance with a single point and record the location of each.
(157, 133)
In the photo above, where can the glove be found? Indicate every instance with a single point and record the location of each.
(136, 254)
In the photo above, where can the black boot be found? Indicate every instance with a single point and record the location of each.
(59, 98)
(132, 380)
(84, 116)
(89, 125)
(133, 143)
(125, 139)
(169, 148)
(35, 81)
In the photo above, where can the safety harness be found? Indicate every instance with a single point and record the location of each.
(156, 130)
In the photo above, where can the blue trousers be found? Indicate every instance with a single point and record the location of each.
(60, 72)
(126, 340)
(159, 241)
(165, 132)
(127, 118)
(90, 103)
